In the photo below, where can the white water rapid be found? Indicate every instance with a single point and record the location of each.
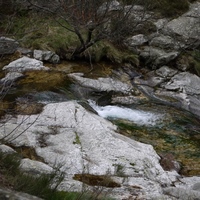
(137, 116)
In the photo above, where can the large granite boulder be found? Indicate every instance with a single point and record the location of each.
(186, 27)
(85, 143)
(172, 87)
(87, 146)
(188, 86)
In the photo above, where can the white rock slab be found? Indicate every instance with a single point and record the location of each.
(185, 82)
(83, 142)
(25, 64)
(102, 84)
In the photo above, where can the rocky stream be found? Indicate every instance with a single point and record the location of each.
(91, 121)
(134, 131)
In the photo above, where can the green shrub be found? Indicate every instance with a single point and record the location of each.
(43, 186)
(9, 163)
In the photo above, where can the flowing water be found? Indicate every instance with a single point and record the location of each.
(169, 130)
(139, 117)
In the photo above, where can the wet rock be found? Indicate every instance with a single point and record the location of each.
(43, 98)
(8, 45)
(4, 105)
(46, 56)
(128, 99)
(25, 64)
(44, 80)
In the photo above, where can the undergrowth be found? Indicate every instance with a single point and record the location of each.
(43, 186)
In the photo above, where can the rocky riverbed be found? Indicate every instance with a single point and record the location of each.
(130, 129)
(70, 128)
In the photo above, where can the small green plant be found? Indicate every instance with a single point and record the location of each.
(132, 164)
(9, 166)
(77, 139)
(120, 170)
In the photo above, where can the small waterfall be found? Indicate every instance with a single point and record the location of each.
(137, 116)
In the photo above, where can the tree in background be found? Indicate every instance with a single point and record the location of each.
(90, 20)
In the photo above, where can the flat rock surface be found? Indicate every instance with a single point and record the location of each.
(82, 142)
